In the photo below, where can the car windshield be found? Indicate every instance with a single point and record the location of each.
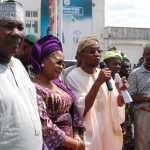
(69, 63)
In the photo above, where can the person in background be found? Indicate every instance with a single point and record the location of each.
(60, 122)
(98, 107)
(20, 126)
(139, 89)
(140, 62)
(128, 138)
(125, 69)
(23, 52)
(113, 60)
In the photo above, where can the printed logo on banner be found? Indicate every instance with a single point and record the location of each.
(73, 11)
(67, 2)
(77, 22)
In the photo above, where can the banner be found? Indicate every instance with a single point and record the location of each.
(77, 22)
(51, 13)
(45, 19)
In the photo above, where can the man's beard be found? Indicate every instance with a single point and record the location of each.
(94, 65)
(4, 59)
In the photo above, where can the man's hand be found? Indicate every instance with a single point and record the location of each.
(104, 75)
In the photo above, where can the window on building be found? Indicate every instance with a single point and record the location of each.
(35, 14)
(27, 13)
(31, 26)
(31, 13)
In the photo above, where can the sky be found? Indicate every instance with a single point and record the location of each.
(127, 13)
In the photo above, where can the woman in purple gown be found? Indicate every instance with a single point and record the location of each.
(60, 121)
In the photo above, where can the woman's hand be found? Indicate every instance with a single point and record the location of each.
(73, 143)
(76, 134)
(80, 146)
(77, 138)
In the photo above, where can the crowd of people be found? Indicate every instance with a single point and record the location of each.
(44, 106)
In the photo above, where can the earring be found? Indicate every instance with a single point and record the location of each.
(42, 65)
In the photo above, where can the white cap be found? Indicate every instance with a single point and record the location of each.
(11, 10)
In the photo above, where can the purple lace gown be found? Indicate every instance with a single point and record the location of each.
(58, 115)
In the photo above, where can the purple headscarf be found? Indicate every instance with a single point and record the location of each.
(43, 48)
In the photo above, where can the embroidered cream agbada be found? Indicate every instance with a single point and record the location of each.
(20, 126)
(103, 131)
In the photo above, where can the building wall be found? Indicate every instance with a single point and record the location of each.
(32, 16)
(132, 51)
(33, 23)
(98, 19)
(31, 6)
(131, 41)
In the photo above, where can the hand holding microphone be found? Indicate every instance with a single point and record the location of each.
(108, 82)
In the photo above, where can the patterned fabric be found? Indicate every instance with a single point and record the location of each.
(139, 84)
(128, 140)
(58, 116)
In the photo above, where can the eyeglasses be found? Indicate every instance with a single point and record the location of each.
(92, 50)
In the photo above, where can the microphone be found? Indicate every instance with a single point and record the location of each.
(108, 82)
(127, 98)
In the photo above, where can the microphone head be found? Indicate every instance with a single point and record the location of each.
(103, 65)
